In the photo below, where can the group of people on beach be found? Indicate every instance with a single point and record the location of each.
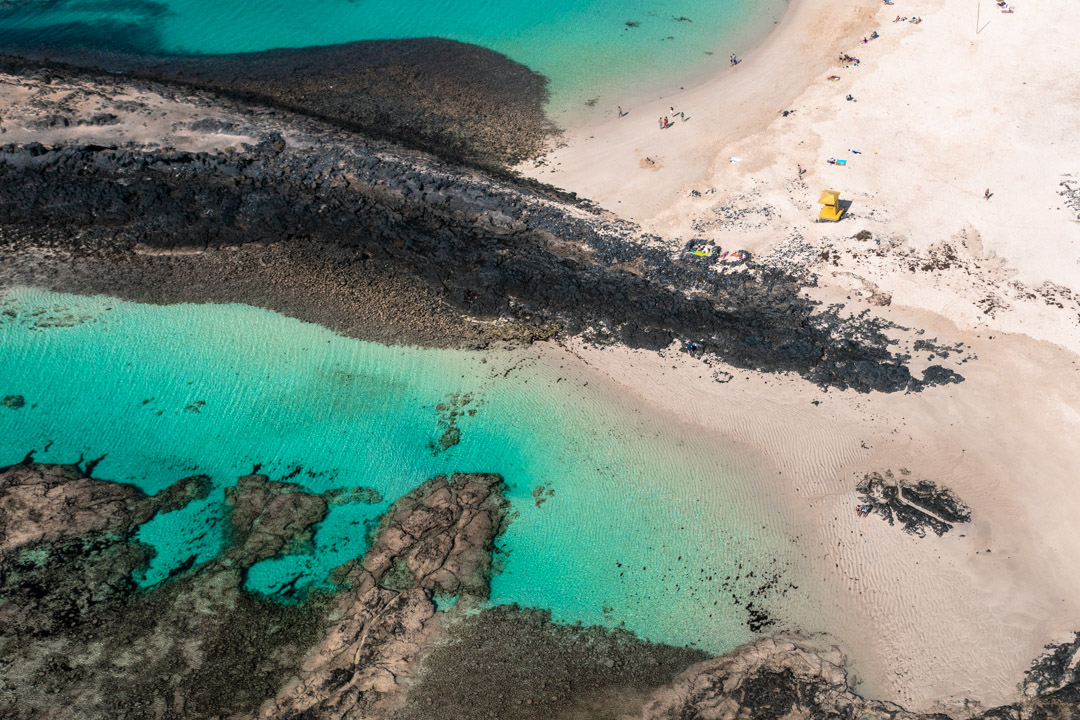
(733, 60)
(913, 20)
(847, 59)
(665, 123)
(864, 510)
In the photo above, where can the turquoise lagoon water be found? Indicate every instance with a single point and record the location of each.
(585, 47)
(641, 520)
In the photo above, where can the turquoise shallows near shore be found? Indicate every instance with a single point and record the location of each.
(640, 522)
(606, 49)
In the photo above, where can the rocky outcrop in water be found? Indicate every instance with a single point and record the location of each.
(435, 542)
(53, 503)
(394, 245)
(269, 518)
(79, 639)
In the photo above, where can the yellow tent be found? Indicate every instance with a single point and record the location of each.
(831, 201)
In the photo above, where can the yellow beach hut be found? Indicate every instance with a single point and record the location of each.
(830, 199)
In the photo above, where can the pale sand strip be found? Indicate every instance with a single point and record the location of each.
(601, 161)
(949, 114)
(928, 623)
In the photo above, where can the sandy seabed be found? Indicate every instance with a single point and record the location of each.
(967, 101)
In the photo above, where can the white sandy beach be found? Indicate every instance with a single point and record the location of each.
(941, 114)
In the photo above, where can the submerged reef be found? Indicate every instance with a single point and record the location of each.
(390, 244)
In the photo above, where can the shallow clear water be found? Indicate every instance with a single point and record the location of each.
(641, 519)
(585, 47)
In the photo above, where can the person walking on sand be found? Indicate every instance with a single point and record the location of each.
(620, 111)
(986, 195)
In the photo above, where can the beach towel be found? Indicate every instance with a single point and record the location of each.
(841, 162)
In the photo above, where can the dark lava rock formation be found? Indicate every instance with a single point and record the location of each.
(917, 505)
(394, 245)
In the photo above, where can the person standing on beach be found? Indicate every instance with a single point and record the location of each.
(620, 111)
(986, 195)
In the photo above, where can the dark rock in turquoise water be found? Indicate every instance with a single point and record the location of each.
(450, 413)
(269, 518)
(14, 401)
(181, 493)
(78, 639)
(435, 541)
(365, 495)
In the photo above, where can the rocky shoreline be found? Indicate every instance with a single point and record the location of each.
(460, 101)
(390, 244)
(80, 640)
